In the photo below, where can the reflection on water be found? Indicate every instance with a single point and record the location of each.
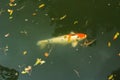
(36, 20)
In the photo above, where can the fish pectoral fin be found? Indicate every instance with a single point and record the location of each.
(74, 44)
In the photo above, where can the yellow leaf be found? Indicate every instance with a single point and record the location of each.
(75, 22)
(116, 35)
(39, 61)
(10, 11)
(41, 5)
(24, 52)
(23, 72)
(109, 44)
(110, 77)
(63, 17)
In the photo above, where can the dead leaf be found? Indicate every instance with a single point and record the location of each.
(116, 35)
(41, 5)
(39, 61)
(63, 17)
(109, 44)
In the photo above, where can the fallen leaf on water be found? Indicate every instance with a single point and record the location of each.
(24, 52)
(24, 32)
(77, 73)
(75, 22)
(12, 1)
(109, 43)
(39, 61)
(46, 54)
(27, 70)
(26, 19)
(7, 35)
(41, 5)
(52, 19)
(118, 54)
(11, 4)
(10, 11)
(63, 17)
(11, 17)
(110, 77)
(34, 14)
(116, 35)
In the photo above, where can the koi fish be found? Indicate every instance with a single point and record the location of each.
(72, 38)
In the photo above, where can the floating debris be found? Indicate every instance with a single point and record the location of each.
(75, 22)
(4, 49)
(87, 43)
(118, 54)
(116, 35)
(27, 70)
(52, 19)
(109, 43)
(110, 77)
(25, 52)
(41, 5)
(10, 11)
(46, 54)
(11, 17)
(34, 14)
(39, 61)
(20, 8)
(63, 17)
(24, 32)
(26, 19)
(11, 4)
(77, 73)
(11, 1)
(7, 35)
(109, 4)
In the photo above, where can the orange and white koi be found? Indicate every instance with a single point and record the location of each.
(72, 38)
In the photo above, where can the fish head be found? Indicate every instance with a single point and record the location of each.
(81, 36)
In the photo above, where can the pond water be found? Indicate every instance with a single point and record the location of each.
(36, 20)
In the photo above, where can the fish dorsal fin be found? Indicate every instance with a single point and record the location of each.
(74, 43)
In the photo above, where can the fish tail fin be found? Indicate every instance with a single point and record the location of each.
(42, 44)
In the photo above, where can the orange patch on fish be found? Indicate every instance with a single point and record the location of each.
(81, 35)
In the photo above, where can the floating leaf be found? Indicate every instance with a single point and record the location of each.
(7, 35)
(109, 44)
(27, 70)
(41, 5)
(24, 52)
(46, 54)
(39, 61)
(116, 35)
(110, 77)
(75, 22)
(63, 17)
(10, 11)
(12, 1)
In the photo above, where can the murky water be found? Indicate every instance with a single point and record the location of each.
(98, 19)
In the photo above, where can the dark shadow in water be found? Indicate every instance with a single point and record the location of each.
(8, 74)
(91, 15)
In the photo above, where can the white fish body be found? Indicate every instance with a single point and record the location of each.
(65, 39)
